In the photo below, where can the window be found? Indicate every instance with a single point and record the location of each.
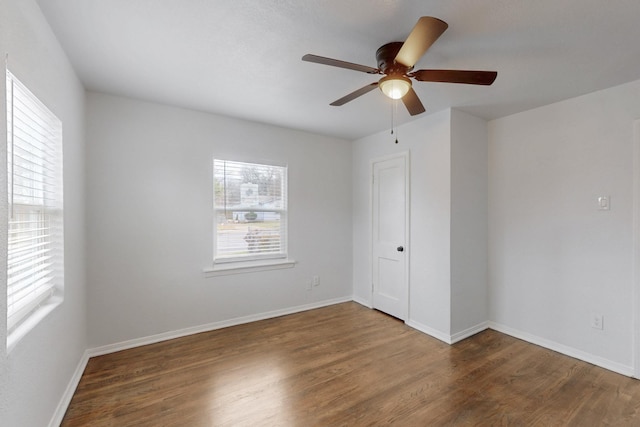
(250, 211)
(35, 249)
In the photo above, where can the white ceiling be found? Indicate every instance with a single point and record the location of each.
(241, 58)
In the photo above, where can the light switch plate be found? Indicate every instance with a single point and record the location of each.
(604, 203)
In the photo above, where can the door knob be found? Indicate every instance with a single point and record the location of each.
(400, 249)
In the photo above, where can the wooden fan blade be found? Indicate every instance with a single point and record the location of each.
(456, 76)
(424, 34)
(353, 95)
(412, 102)
(337, 63)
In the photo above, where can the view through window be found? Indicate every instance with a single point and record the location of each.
(250, 211)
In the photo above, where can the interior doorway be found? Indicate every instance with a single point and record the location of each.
(390, 235)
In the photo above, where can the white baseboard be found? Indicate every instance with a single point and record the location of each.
(566, 350)
(459, 336)
(58, 415)
(542, 342)
(152, 339)
(449, 339)
(429, 331)
(362, 301)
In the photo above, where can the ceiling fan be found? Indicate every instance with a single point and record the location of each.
(396, 61)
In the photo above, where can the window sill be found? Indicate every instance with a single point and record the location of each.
(31, 321)
(248, 267)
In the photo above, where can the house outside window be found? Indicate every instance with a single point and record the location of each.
(250, 211)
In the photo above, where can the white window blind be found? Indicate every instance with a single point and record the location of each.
(35, 237)
(250, 211)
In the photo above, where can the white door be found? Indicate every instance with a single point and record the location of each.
(389, 235)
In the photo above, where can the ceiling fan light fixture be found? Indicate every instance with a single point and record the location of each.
(395, 87)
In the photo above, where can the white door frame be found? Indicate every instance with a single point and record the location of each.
(405, 155)
(636, 248)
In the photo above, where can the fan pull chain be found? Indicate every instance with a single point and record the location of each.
(394, 112)
(392, 121)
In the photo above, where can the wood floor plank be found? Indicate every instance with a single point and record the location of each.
(346, 365)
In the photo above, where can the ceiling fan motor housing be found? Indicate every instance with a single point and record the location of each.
(386, 54)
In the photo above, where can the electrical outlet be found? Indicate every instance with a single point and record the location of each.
(316, 280)
(597, 321)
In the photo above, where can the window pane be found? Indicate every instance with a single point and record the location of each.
(250, 205)
(244, 233)
(35, 258)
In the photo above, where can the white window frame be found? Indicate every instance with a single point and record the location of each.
(249, 262)
(35, 235)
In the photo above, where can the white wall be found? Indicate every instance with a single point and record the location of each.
(149, 201)
(469, 192)
(34, 376)
(554, 257)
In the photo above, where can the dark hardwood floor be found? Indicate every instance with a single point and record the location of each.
(346, 365)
